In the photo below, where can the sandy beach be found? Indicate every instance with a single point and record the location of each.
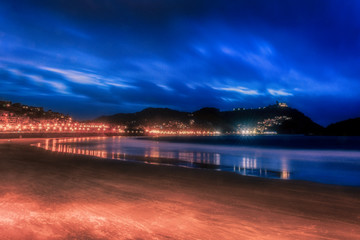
(50, 195)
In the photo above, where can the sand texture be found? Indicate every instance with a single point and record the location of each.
(49, 195)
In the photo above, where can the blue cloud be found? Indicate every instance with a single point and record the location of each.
(127, 55)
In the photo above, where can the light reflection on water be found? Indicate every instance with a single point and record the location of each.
(247, 165)
(334, 167)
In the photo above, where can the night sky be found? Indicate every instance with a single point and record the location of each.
(92, 57)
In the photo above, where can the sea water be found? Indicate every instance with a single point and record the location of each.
(330, 160)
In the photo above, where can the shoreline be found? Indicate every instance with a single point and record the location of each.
(51, 195)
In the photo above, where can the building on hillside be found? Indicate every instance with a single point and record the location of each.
(4, 116)
(5, 104)
(281, 104)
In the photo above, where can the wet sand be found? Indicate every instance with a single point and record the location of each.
(50, 195)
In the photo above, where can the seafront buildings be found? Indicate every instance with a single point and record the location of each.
(18, 118)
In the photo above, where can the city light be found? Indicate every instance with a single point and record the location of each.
(18, 118)
(58, 128)
(181, 132)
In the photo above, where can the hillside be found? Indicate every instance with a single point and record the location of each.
(147, 116)
(20, 111)
(284, 120)
(350, 127)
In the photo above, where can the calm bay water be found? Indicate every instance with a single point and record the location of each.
(331, 160)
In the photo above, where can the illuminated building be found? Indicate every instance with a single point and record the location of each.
(282, 104)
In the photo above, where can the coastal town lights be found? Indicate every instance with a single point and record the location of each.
(24, 127)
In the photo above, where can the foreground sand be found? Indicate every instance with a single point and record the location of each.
(46, 195)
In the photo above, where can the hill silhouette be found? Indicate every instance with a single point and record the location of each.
(350, 127)
(226, 121)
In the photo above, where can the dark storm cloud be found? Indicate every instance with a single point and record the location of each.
(126, 55)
